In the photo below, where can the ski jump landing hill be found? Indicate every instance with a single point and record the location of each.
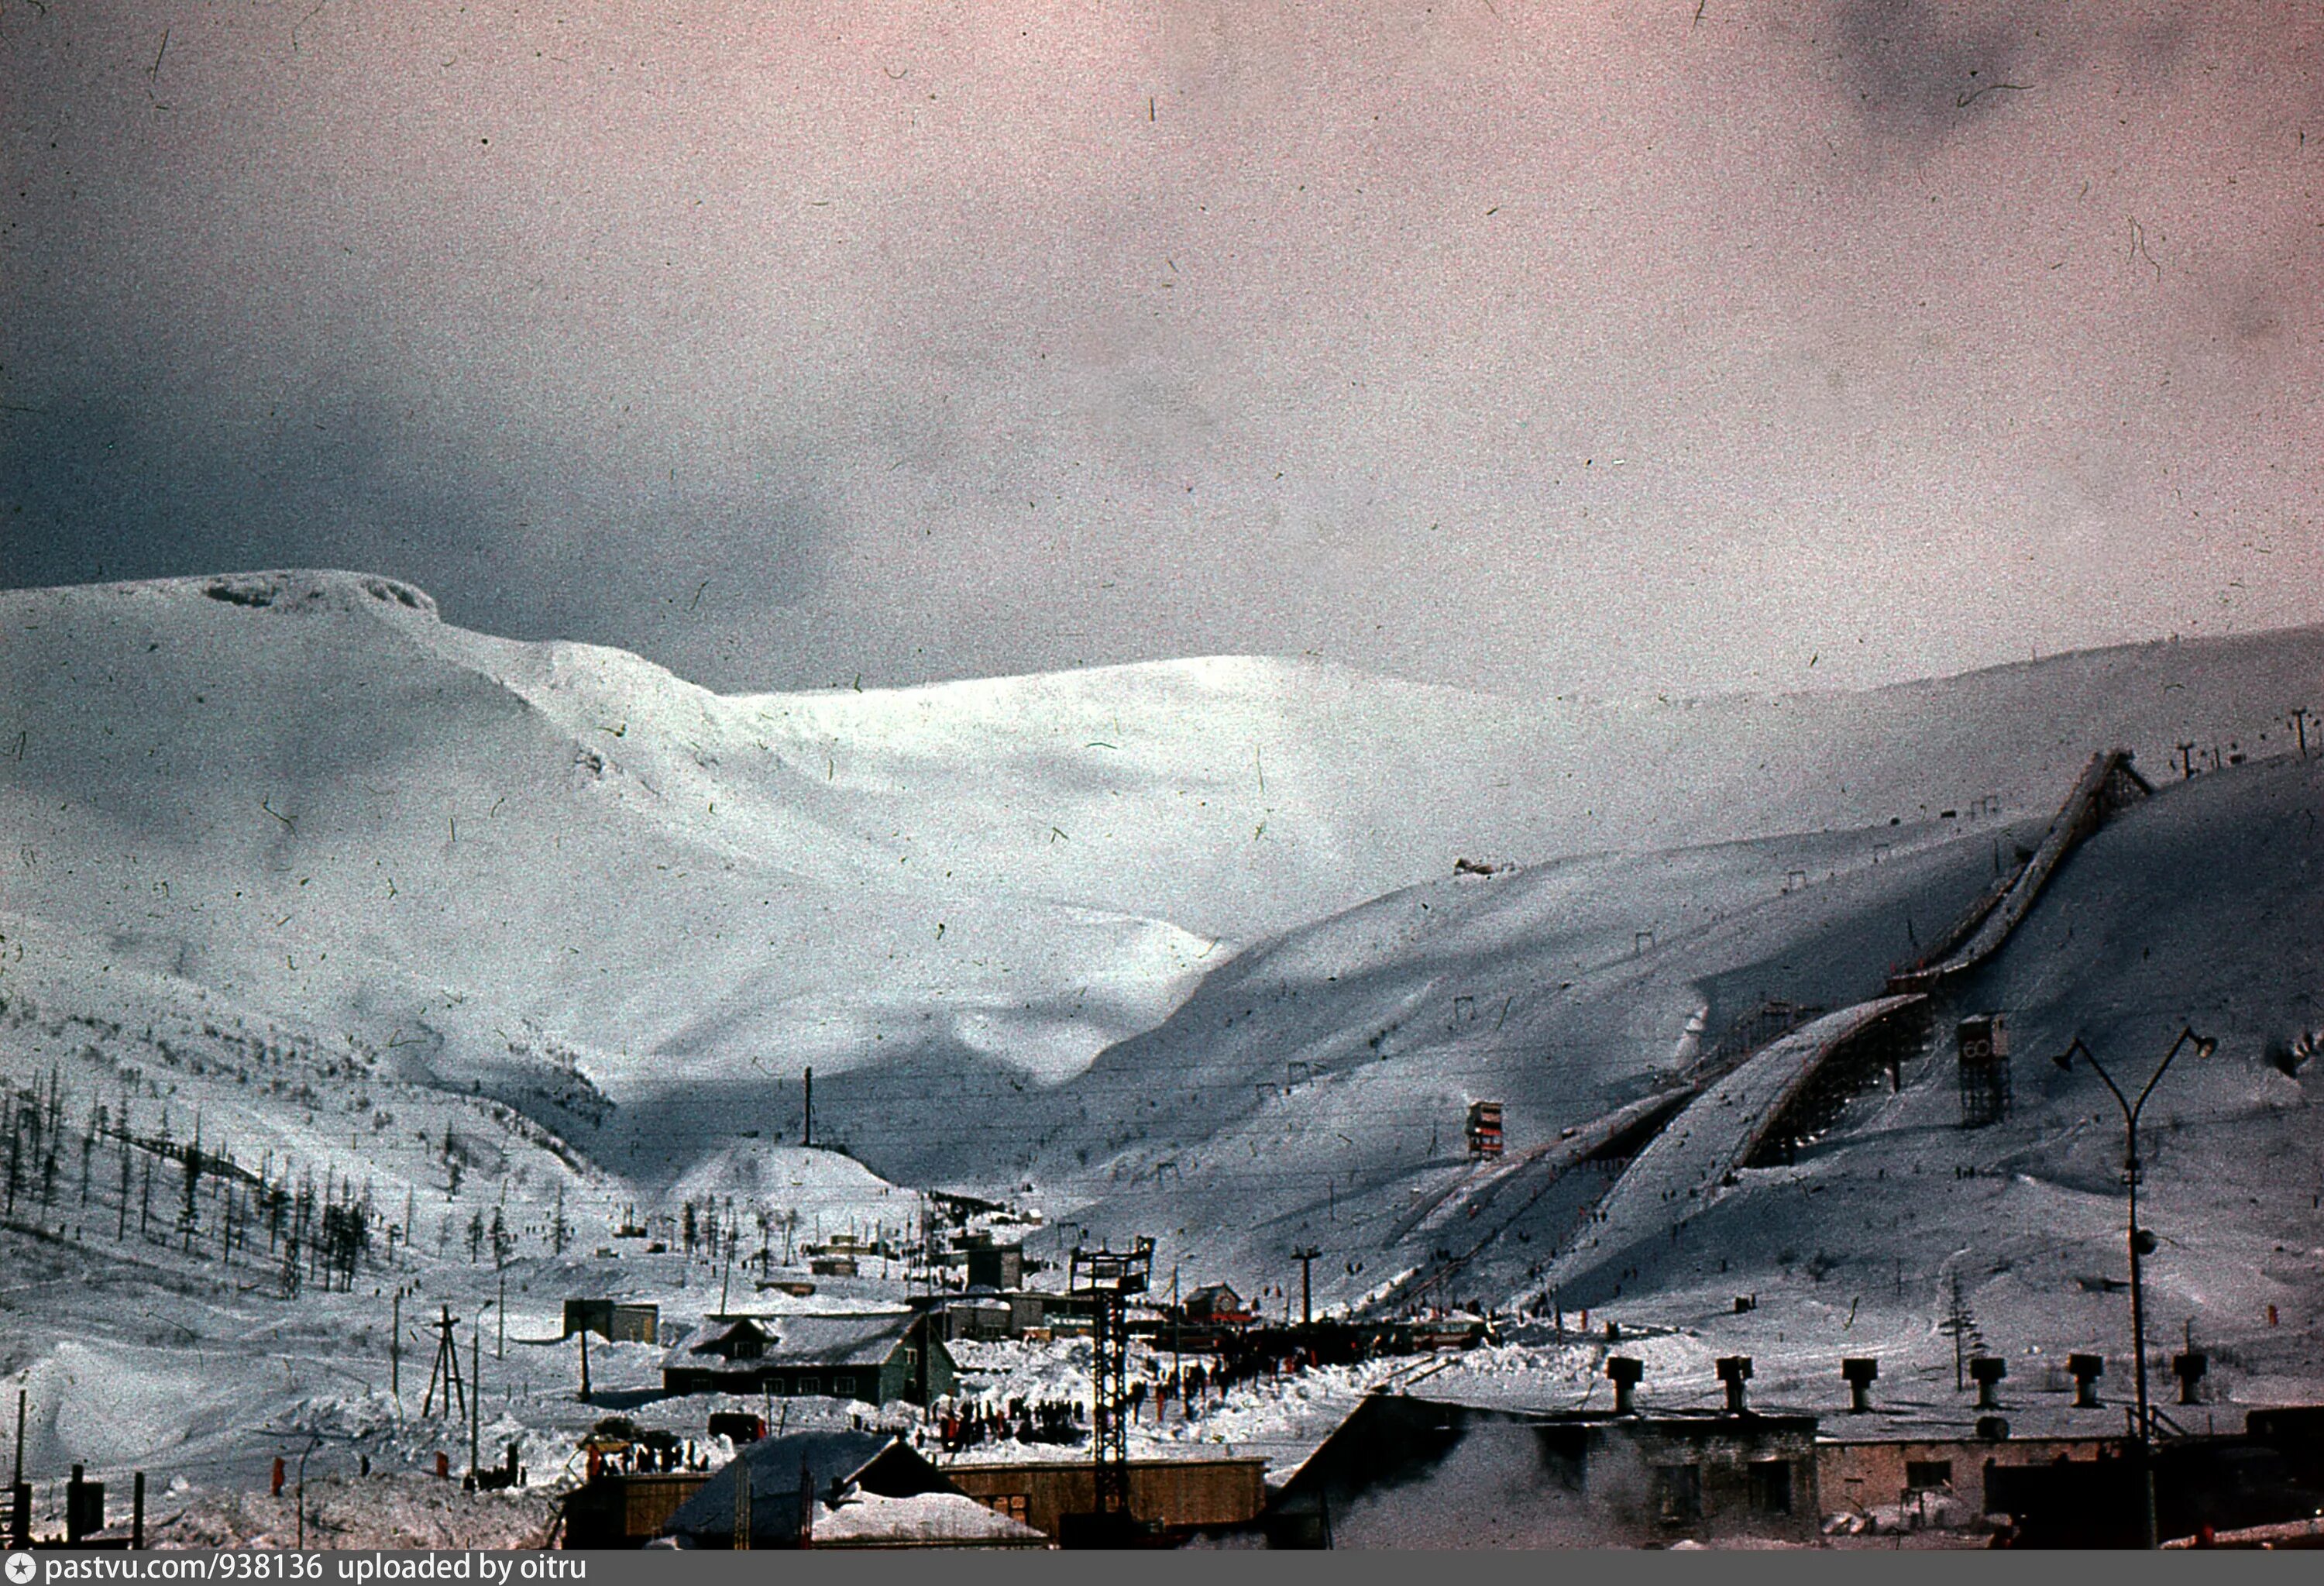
(1781, 1094)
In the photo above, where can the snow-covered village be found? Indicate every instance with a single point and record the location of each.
(1160, 777)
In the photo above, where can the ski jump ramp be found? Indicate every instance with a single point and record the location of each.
(1684, 1170)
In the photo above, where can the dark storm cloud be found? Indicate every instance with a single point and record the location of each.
(109, 481)
(1590, 347)
(1919, 72)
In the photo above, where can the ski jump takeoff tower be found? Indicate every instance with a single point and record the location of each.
(1107, 1278)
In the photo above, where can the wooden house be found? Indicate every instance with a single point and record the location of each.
(877, 1357)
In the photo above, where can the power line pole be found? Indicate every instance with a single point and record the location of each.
(1305, 1256)
(476, 1395)
(446, 1366)
(20, 1495)
(1177, 1343)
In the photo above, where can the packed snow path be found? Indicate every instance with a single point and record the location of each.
(2105, 787)
(1684, 1168)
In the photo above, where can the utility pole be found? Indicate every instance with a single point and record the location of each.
(807, 1097)
(476, 1394)
(446, 1366)
(300, 1496)
(1305, 1256)
(1177, 1343)
(2300, 715)
(499, 1322)
(395, 1351)
(2142, 1242)
(20, 1496)
(2187, 761)
(741, 1505)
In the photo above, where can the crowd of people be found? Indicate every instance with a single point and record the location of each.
(1063, 1421)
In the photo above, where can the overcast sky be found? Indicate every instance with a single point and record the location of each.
(1648, 347)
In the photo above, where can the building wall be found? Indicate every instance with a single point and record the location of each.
(1179, 1493)
(1755, 1479)
(625, 1511)
(620, 1321)
(1856, 1476)
(1405, 1473)
(864, 1382)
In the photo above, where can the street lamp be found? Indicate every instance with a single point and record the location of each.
(2141, 1243)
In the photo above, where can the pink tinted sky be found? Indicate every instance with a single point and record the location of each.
(1624, 347)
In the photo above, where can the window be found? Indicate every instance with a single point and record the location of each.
(842, 1388)
(1678, 1492)
(1928, 1475)
(1012, 1503)
(1771, 1487)
(810, 1385)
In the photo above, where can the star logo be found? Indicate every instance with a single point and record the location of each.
(20, 1568)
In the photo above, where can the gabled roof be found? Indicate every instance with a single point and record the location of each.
(707, 1339)
(863, 1340)
(879, 1462)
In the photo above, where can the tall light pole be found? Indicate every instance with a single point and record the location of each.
(2141, 1243)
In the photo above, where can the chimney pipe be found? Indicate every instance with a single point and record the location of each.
(2087, 1370)
(1625, 1371)
(2189, 1367)
(1986, 1372)
(137, 1514)
(84, 1507)
(1735, 1371)
(1859, 1370)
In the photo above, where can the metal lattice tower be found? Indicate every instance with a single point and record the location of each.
(1983, 1045)
(1107, 1277)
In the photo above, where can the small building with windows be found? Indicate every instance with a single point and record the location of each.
(1405, 1471)
(992, 1265)
(1216, 1305)
(877, 1357)
(615, 1321)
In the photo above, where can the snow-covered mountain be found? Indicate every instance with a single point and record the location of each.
(307, 791)
(482, 926)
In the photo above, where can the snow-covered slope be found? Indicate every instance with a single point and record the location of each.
(1179, 945)
(1314, 1090)
(2202, 907)
(308, 791)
